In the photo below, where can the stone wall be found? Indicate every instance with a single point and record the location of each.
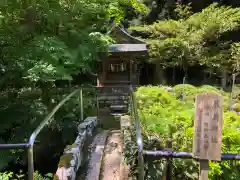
(125, 128)
(72, 157)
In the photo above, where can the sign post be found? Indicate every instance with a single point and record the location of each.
(207, 139)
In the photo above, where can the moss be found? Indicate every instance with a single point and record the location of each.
(55, 177)
(65, 161)
(236, 107)
(68, 147)
(126, 116)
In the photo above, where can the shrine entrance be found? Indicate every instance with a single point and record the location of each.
(122, 66)
(119, 71)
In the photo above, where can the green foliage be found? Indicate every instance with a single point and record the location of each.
(41, 42)
(162, 115)
(189, 92)
(11, 175)
(24, 111)
(46, 40)
(183, 11)
(195, 39)
(235, 53)
(6, 176)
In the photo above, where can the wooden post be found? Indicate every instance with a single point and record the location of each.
(105, 70)
(169, 160)
(204, 168)
(207, 139)
(130, 71)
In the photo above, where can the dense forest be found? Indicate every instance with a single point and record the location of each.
(198, 42)
(48, 47)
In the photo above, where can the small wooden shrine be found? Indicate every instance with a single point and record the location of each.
(122, 66)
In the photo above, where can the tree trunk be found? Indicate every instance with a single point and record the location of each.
(173, 75)
(46, 96)
(159, 75)
(185, 78)
(224, 79)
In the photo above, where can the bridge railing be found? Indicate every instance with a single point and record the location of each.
(142, 153)
(29, 146)
(134, 114)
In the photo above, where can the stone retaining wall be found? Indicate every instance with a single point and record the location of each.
(72, 157)
(125, 125)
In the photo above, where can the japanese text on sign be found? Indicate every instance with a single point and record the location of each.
(208, 127)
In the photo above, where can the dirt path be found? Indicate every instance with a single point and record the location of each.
(112, 157)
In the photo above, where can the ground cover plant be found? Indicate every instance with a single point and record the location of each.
(163, 114)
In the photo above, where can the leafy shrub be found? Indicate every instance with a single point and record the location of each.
(163, 114)
(189, 93)
(6, 175)
(11, 175)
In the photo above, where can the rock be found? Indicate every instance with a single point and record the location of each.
(71, 160)
(169, 89)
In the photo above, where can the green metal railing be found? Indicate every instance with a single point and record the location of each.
(48, 119)
(134, 114)
(29, 146)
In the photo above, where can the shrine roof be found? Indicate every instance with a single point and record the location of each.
(125, 42)
(127, 47)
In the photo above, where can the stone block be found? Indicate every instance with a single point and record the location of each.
(71, 160)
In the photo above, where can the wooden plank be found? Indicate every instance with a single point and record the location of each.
(204, 168)
(130, 70)
(207, 139)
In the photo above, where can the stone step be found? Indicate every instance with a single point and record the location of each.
(112, 89)
(117, 114)
(113, 102)
(118, 107)
(111, 98)
(113, 95)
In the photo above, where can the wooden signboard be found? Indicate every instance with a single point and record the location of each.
(207, 139)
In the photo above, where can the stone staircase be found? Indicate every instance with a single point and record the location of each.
(114, 99)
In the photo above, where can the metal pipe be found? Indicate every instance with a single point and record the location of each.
(81, 104)
(14, 146)
(30, 163)
(33, 136)
(169, 160)
(138, 135)
(187, 155)
(48, 118)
